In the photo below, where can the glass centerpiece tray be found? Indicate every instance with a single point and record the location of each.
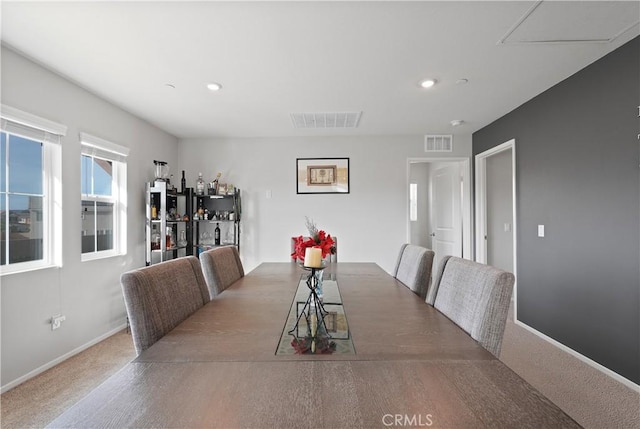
(328, 323)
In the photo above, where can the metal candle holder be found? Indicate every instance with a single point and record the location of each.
(312, 305)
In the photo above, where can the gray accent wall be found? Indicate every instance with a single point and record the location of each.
(577, 166)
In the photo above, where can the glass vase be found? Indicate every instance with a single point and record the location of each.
(319, 275)
(182, 242)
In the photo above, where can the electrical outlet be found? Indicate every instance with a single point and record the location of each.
(56, 321)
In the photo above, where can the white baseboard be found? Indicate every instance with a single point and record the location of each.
(582, 358)
(60, 359)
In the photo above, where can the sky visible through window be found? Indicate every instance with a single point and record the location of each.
(102, 172)
(25, 169)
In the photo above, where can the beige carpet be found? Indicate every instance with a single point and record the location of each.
(36, 402)
(593, 399)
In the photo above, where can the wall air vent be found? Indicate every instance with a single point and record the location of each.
(438, 143)
(326, 120)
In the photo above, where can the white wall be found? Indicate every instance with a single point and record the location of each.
(87, 293)
(370, 222)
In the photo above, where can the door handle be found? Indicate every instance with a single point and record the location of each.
(433, 234)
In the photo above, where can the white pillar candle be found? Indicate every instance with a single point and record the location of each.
(313, 257)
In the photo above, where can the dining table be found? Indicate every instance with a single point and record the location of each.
(235, 363)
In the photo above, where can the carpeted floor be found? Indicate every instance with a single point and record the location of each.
(36, 402)
(592, 398)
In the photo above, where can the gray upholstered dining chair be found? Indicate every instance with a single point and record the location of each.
(221, 267)
(476, 297)
(160, 296)
(413, 268)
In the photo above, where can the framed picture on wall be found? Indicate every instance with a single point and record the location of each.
(322, 175)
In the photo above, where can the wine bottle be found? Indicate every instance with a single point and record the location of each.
(183, 183)
(217, 235)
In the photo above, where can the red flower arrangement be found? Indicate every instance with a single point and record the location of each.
(318, 238)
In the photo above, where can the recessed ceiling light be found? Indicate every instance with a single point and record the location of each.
(213, 86)
(462, 81)
(457, 122)
(427, 83)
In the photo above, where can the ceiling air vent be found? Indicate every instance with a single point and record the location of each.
(326, 120)
(438, 143)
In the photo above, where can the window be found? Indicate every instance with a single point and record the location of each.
(413, 202)
(29, 191)
(103, 205)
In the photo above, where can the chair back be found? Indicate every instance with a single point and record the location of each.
(413, 268)
(221, 267)
(476, 297)
(161, 296)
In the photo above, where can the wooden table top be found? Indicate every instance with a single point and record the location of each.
(413, 367)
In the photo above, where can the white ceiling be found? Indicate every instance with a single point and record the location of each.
(278, 58)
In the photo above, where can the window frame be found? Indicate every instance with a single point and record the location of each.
(97, 148)
(26, 125)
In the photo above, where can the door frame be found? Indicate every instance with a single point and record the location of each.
(466, 203)
(481, 204)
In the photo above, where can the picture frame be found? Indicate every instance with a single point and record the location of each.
(322, 175)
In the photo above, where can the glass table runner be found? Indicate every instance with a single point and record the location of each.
(295, 335)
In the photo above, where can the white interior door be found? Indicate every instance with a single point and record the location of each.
(446, 212)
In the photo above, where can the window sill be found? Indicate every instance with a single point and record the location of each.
(93, 256)
(25, 268)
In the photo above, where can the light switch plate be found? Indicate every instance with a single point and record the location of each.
(540, 230)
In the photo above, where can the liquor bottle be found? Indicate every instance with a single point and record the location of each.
(169, 239)
(217, 235)
(155, 240)
(154, 211)
(183, 183)
(200, 185)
